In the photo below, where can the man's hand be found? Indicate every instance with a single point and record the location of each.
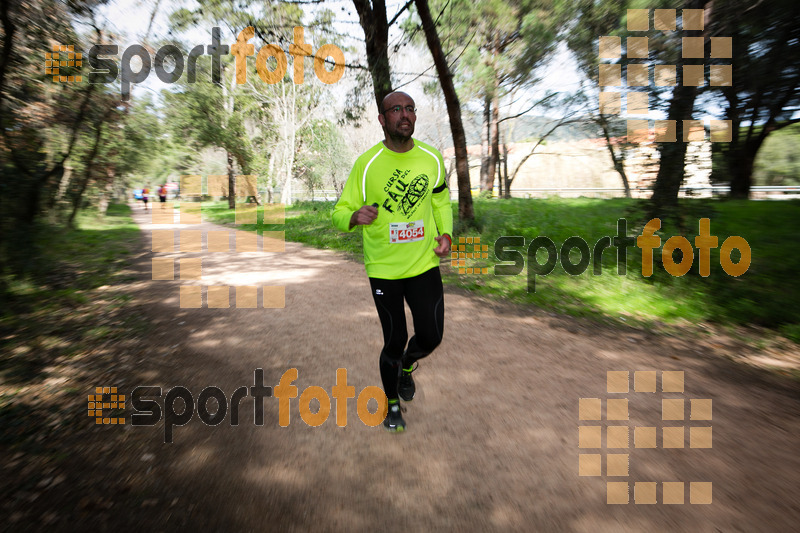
(443, 250)
(365, 216)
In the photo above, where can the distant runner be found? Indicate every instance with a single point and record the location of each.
(162, 194)
(398, 193)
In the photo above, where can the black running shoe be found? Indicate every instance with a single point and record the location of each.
(405, 385)
(394, 419)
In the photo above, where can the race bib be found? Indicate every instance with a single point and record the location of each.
(401, 232)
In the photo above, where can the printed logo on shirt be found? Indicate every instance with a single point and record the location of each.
(378, 292)
(404, 196)
(414, 194)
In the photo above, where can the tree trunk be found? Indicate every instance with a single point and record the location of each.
(28, 198)
(227, 98)
(494, 137)
(231, 182)
(451, 167)
(9, 29)
(741, 168)
(270, 176)
(486, 183)
(672, 155)
(504, 171)
(63, 186)
(105, 195)
(291, 135)
(76, 199)
(500, 189)
(240, 155)
(465, 210)
(617, 160)
(376, 34)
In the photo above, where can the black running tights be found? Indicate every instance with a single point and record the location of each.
(425, 298)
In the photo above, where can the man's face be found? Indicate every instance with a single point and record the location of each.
(397, 118)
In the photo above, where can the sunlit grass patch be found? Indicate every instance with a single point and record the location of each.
(765, 295)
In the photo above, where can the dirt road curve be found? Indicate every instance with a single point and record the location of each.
(492, 440)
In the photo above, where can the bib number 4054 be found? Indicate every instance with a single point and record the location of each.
(401, 232)
(410, 233)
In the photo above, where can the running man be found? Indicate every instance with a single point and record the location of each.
(398, 193)
(162, 195)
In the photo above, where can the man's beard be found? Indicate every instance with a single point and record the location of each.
(400, 138)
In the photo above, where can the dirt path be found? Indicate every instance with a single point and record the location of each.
(492, 440)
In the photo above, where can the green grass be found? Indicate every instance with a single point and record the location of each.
(54, 304)
(764, 296)
(306, 222)
(75, 259)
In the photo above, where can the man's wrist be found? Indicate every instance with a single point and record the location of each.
(450, 240)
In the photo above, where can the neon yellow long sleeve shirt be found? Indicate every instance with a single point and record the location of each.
(414, 207)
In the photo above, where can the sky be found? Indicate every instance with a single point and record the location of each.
(131, 18)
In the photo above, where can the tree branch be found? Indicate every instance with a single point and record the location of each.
(549, 96)
(561, 122)
(394, 18)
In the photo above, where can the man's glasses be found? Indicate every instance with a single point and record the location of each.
(410, 109)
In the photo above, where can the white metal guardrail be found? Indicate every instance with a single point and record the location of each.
(712, 191)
